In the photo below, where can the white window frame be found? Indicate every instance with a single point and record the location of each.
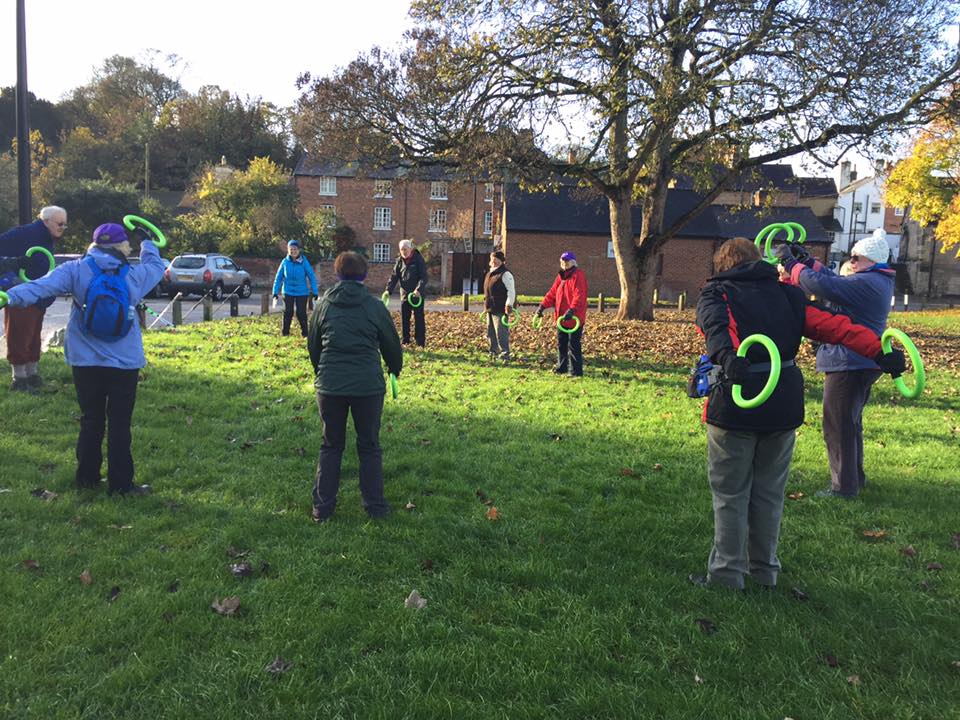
(610, 249)
(488, 222)
(328, 185)
(332, 218)
(488, 192)
(436, 226)
(875, 208)
(439, 190)
(382, 218)
(383, 188)
(898, 211)
(857, 208)
(381, 252)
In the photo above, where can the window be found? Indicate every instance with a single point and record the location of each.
(190, 262)
(488, 222)
(898, 212)
(488, 192)
(438, 221)
(328, 185)
(382, 218)
(438, 190)
(331, 213)
(857, 208)
(381, 252)
(874, 208)
(383, 189)
(225, 264)
(610, 249)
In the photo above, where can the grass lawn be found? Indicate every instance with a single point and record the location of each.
(572, 604)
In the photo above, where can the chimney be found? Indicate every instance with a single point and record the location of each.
(844, 173)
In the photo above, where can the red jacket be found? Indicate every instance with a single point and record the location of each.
(568, 291)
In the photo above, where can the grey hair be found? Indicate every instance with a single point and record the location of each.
(49, 211)
(406, 243)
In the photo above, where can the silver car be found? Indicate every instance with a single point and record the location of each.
(207, 273)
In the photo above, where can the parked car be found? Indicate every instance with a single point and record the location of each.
(207, 273)
(161, 287)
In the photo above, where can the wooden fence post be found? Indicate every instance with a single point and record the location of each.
(601, 302)
(207, 308)
(264, 304)
(178, 312)
(234, 306)
(466, 302)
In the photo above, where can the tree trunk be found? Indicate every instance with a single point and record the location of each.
(624, 253)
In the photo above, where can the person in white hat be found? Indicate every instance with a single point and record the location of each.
(865, 296)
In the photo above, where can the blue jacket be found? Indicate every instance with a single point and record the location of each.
(864, 296)
(81, 349)
(295, 278)
(16, 241)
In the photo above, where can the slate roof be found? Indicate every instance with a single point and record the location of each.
(580, 211)
(319, 168)
(778, 176)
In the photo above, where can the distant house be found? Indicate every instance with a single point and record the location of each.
(861, 210)
(538, 226)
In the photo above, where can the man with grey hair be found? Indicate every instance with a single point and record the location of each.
(22, 325)
(410, 272)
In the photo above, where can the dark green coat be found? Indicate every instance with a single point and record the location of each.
(349, 330)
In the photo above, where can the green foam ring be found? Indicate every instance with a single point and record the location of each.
(920, 376)
(800, 228)
(769, 233)
(514, 313)
(38, 249)
(386, 299)
(772, 379)
(568, 331)
(412, 304)
(537, 322)
(4, 298)
(131, 222)
(394, 388)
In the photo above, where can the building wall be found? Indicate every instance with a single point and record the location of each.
(862, 225)
(919, 253)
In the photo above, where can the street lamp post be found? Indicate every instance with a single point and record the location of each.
(24, 198)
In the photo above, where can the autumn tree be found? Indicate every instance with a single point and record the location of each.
(928, 181)
(636, 91)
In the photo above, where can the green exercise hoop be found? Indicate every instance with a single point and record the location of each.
(768, 234)
(514, 313)
(800, 229)
(414, 305)
(772, 380)
(131, 222)
(537, 322)
(394, 388)
(4, 298)
(568, 331)
(918, 371)
(386, 299)
(44, 251)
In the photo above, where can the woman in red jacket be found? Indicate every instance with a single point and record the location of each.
(568, 298)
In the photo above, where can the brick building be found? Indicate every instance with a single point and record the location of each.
(441, 212)
(540, 226)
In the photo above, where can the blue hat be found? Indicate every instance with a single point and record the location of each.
(293, 243)
(568, 256)
(110, 234)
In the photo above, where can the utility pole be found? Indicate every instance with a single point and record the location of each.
(473, 231)
(146, 170)
(24, 194)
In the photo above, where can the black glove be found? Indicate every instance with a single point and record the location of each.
(892, 362)
(736, 368)
(568, 315)
(539, 312)
(276, 297)
(799, 252)
(784, 254)
(316, 297)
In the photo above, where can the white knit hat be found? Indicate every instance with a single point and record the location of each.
(874, 247)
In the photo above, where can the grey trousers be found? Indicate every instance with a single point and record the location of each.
(499, 335)
(748, 474)
(844, 396)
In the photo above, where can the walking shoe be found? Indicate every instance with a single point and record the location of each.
(831, 493)
(705, 582)
(133, 491)
(35, 381)
(22, 385)
(319, 516)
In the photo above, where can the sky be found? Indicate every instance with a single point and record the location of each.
(249, 47)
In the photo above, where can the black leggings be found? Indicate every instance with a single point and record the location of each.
(300, 301)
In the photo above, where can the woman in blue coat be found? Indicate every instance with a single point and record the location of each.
(106, 366)
(296, 280)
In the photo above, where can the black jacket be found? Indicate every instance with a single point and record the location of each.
(750, 299)
(411, 276)
(349, 330)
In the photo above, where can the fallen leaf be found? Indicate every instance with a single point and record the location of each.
(875, 534)
(697, 679)
(493, 513)
(831, 660)
(243, 569)
(854, 680)
(414, 601)
(31, 564)
(228, 606)
(235, 553)
(955, 541)
(44, 494)
(427, 565)
(926, 585)
(424, 441)
(799, 594)
(264, 567)
(627, 472)
(167, 617)
(909, 551)
(956, 664)
(657, 466)
(5, 490)
(278, 666)
(114, 592)
(189, 419)
(409, 507)
(86, 578)
(301, 451)
(173, 587)
(706, 625)
(934, 566)
(120, 527)
(796, 496)
(556, 438)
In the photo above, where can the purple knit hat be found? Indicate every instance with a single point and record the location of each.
(110, 234)
(568, 256)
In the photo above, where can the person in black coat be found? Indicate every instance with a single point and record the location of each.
(749, 450)
(410, 272)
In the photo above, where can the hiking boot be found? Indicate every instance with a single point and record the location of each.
(319, 515)
(22, 385)
(35, 381)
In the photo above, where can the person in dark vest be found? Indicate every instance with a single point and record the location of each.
(22, 325)
(749, 450)
(105, 369)
(499, 297)
(568, 298)
(350, 330)
(410, 272)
